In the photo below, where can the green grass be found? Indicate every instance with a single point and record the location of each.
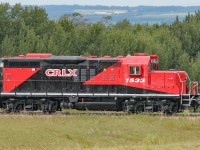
(98, 132)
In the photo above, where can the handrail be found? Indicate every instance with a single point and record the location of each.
(181, 87)
(189, 81)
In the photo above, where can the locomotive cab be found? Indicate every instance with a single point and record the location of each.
(141, 71)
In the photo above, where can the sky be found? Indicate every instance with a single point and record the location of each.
(107, 2)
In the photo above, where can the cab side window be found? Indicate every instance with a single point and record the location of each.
(135, 70)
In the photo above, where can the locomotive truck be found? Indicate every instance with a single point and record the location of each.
(39, 81)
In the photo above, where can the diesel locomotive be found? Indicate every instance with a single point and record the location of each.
(38, 81)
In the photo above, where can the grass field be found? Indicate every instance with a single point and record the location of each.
(26, 132)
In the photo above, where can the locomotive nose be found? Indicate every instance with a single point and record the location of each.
(181, 82)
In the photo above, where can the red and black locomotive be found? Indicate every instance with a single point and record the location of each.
(131, 83)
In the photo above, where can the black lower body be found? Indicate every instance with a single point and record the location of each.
(53, 104)
(108, 98)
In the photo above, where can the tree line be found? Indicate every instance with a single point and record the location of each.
(26, 29)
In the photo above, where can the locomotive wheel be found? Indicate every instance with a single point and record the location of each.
(171, 108)
(195, 108)
(49, 107)
(8, 108)
(175, 108)
(126, 107)
(195, 105)
(139, 109)
(18, 108)
(53, 107)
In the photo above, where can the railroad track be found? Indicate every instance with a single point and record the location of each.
(112, 113)
(101, 113)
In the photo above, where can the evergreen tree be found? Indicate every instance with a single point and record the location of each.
(8, 47)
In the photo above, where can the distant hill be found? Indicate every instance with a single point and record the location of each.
(140, 14)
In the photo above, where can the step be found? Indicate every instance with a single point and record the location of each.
(186, 102)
